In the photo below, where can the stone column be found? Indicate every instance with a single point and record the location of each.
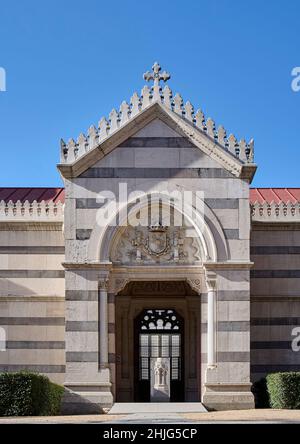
(103, 323)
(211, 322)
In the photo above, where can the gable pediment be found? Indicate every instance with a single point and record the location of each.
(154, 150)
(141, 118)
(157, 128)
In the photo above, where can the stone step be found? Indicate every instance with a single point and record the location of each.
(126, 408)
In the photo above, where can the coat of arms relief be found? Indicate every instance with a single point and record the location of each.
(156, 244)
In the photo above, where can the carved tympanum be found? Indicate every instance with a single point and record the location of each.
(156, 244)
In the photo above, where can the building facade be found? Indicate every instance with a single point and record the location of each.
(156, 273)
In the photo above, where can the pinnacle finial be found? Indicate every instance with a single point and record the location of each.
(156, 75)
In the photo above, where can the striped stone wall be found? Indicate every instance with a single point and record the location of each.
(32, 312)
(82, 327)
(275, 298)
(233, 328)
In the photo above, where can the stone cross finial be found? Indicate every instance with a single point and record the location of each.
(156, 76)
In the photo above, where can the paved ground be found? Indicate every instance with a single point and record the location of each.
(121, 408)
(262, 416)
(156, 413)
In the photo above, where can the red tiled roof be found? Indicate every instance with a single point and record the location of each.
(31, 194)
(260, 195)
(276, 195)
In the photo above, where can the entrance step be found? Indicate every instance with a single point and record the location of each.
(127, 408)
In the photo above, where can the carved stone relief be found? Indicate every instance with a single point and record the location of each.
(156, 244)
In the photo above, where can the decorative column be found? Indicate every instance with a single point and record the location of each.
(103, 323)
(211, 280)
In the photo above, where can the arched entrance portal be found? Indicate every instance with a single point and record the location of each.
(158, 353)
(157, 342)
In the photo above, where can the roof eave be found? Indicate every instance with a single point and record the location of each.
(248, 172)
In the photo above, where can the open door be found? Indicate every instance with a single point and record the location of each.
(159, 357)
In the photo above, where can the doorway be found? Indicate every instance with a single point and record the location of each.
(157, 325)
(159, 363)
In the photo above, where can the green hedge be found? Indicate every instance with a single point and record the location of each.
(29, 394)
(284, 390)
(278, 391)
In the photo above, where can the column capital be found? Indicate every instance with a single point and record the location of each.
(103, 284)
(211, 280)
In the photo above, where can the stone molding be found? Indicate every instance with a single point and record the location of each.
(228, 386)
(32, 298)
(275, 226)
(25, 225)
(275, 212)
(230, 265)
(121, 276)
(87, 265)
(162, 288)
(31, 211)
(140, 269)
(79, 384)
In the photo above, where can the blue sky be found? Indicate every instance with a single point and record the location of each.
(70, 62)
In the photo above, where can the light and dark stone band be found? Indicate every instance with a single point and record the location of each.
(216, 204)
(156, 173)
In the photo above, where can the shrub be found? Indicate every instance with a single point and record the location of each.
(284, 390)
(261, 395)
(55, 396)
(28, 394)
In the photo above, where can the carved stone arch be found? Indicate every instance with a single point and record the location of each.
(195, 243)
(209, 232)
